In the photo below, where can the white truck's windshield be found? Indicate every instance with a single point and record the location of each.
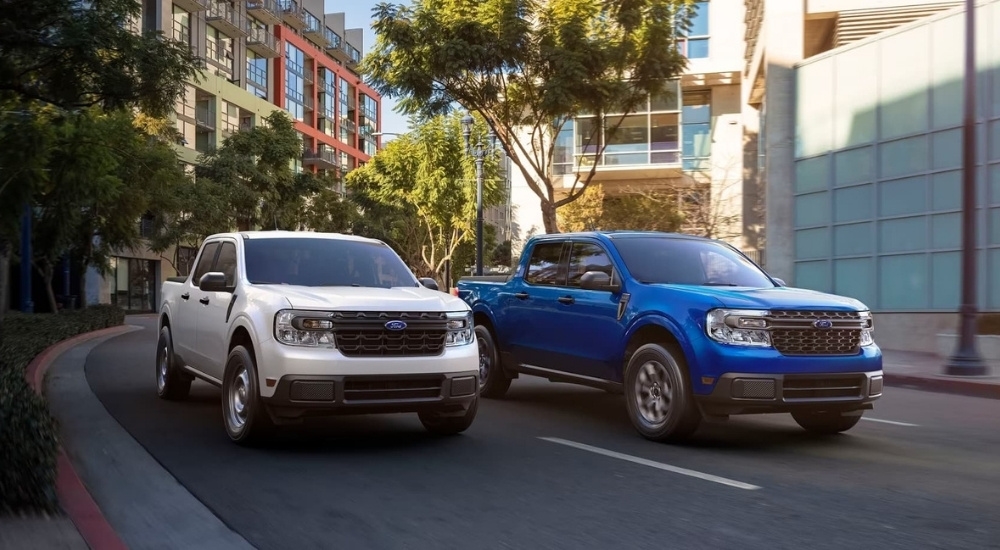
(305, 261)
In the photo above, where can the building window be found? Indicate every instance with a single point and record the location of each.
(219, 51)
(295, 88)
(694, 44)
(257, 75)
(650, 135)
(696, 116)
(181, 30)
(562, 158)
(133, 284)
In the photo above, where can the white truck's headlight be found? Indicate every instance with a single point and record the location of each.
(738, 327)
(303, 328)
(460, 329)
(868, 331)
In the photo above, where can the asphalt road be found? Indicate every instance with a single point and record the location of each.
(559, 466)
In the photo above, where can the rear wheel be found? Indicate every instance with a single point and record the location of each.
(243, 413)
(827, 422)
(449, 424)
(171, 383)
(658, 396)
(493, 382)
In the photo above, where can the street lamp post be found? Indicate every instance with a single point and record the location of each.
(478, 151)
(966, 359)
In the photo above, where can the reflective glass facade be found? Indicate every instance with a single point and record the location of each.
(878, 174)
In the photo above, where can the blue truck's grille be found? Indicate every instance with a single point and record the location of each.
(364, 334)
(793, 332)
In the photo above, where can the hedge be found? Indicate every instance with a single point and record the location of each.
(28, 442)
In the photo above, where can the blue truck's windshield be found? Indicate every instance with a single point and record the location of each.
(671, 260)
(308, 261)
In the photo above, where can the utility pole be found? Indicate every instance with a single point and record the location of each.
(966, 361)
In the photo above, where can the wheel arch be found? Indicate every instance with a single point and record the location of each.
(658, 329)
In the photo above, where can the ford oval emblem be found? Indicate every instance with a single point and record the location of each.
(395, 325)
(823, 323)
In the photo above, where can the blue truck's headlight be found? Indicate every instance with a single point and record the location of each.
(460, 328)
(868, 332)
(303, 328)
(738, 327)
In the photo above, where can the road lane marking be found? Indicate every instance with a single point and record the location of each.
(893, 422)
(653, 464)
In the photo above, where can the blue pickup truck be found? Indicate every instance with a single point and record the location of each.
(687, 328)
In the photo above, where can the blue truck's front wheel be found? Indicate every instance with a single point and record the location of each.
(658, 394)
(493, 381)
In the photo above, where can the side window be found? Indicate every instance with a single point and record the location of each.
(227, 263)
(205, 261)
(544, 267)
(587, 257)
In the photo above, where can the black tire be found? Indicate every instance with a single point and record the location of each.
(827, 422)
(681, 416)
(493, 381)
(171, 383)
(253, 425)
(449, 424)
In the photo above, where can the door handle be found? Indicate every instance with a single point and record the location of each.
(566, 299)
(521, 295)
(185, 296)
(204, 300)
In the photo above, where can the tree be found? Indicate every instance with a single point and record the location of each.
(645, 211)
(330, 212)
(428, 181)
(528, 68)
(104, 172)
(75, 55)
(247, 183)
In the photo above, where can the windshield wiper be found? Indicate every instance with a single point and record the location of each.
(719, 284)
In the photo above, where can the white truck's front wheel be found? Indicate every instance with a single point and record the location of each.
(244, 415)
(450, 424)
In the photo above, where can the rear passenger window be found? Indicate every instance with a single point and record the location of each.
(544, 267)
(205, 261)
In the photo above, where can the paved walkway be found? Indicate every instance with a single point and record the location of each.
(927, 372)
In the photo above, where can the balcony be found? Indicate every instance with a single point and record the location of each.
(226, 19)
(204, 119)
(324, 159)
(314, 27)
(266, 11)
(348, 124)
(335, 47)
(292, 14)
(261, 42)
(193, 5)
(353, 55)
(331, 39)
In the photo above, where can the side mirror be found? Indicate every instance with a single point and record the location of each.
(598, 280)
(213, 281)
(429, 283)
(780, 282)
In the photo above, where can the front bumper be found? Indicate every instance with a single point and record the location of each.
(298, 396)
(753, 393)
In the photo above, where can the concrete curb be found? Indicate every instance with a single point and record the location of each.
(74, 498)
(957, 386)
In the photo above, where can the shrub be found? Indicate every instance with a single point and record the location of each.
(28, 442)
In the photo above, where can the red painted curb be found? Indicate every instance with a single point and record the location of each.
(968, 388)
(73, 495)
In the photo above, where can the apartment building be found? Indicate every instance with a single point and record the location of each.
(689, 137)
(257, 56)
(859, 109)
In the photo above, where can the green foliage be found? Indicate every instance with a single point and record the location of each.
(424, 185)
(28, 440)
(526, 66)
(75, 55)
(596, 211)
(103, 172)
(246, 183)
(330, 212)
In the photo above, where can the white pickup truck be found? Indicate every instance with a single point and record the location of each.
(294, 324)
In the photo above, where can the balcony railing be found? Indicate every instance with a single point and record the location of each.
(353, 53)
(226, 19)
(323, 158)
(204, 117)
(261, 41)
(193, 5)
(292, 13)
(266, 11)
(332, 39)
(313, 26)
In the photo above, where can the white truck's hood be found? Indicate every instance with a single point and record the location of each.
(344, 298)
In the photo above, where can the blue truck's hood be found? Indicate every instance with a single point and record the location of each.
(773, 298)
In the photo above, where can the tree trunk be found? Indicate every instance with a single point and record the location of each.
(549, 219)
(81, 299)
(5, 252)
(48, 273)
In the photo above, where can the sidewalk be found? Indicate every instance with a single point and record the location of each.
(925, 371)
